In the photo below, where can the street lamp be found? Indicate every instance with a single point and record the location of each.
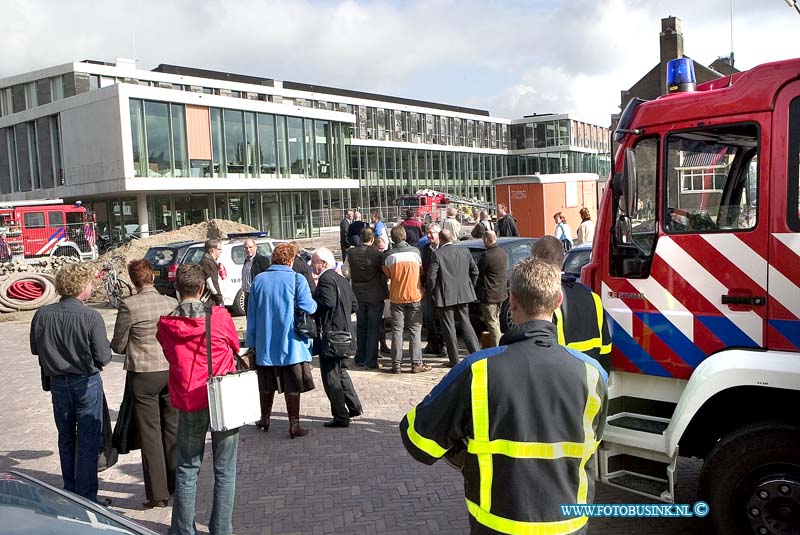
(793, 3)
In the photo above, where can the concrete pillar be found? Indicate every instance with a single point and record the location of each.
(141, 208)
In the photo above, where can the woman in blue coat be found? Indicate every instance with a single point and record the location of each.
(283, 357)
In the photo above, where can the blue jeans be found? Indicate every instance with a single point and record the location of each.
(78, 412)
(192, 429)
(368, 330)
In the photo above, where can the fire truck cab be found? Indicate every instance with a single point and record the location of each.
(48, 228)
(427, 204)
(697, 260)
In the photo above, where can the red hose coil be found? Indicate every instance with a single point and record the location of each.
(25, 290)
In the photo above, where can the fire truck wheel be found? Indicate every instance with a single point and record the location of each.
(506, 322)
(238, 304)
(66, 251)
(751, 481)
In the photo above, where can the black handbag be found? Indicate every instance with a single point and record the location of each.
(336, 344)
(304, 324)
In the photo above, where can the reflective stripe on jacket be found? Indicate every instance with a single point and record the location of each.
(530, 415)
(581, 323)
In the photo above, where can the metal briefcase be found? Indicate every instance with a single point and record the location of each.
(233, 400)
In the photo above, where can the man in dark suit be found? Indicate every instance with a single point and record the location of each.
(492, 288)
(344, 227)
(254, 264)
(451, 281)
(213, 293)
(335, 305)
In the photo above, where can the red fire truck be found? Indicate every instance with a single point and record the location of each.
(697, 260)
(431, 204)
(38, 229)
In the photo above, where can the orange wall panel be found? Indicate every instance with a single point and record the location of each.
(199, 132)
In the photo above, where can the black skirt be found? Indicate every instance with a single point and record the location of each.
(292, 379)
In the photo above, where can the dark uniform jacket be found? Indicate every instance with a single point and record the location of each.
(452, 276)
(413, 230)
(507, 226)
(530, 415)
(492, 284)
(366, 274)
(211, 271)
(581, 322)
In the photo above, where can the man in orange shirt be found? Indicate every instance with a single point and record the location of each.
(403, 267)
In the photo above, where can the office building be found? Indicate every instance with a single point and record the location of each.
(156, 150)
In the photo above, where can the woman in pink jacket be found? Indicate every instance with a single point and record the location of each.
(182, 335)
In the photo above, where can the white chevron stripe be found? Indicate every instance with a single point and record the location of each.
(666, 303)
(711, 288)
(784, 291)
(741, 255)
(618, 310)
(781, 288)
(790, 240)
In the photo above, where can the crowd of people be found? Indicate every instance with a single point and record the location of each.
(413, 276)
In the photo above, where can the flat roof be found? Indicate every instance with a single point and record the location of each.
(546, 179)
(325, 90)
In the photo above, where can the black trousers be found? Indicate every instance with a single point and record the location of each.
(158, 426)
(339, 389)
(448, 317)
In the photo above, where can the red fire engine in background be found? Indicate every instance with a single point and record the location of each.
(697, 260)
(39, 229)
(431, 205)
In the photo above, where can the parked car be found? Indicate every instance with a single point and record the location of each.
(232, 258)
(165, 260)
(517, 249)
(31, 507)
(575, 259)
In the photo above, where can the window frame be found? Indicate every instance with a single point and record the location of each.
(663, 193)
(793, 167)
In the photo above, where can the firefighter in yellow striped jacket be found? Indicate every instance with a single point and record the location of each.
(580, 319)
(525, 418)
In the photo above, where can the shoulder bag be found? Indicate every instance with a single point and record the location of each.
(233, 399)
(304, 324)
(336, 344)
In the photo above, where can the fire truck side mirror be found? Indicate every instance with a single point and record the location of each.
(629, 182)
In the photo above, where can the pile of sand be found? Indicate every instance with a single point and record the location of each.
(135, 249)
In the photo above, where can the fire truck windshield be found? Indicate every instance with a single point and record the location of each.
(408, 201)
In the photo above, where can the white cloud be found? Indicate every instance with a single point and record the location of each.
(513, 57)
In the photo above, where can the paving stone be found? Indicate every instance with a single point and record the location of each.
(354, 480)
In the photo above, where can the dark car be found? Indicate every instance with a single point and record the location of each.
(575, 259)
(31, 507)
(516, 249)
(165, 260)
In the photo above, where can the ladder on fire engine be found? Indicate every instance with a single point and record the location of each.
(451, 198)
(633, 456)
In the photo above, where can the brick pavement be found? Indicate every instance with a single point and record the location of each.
(357, 480)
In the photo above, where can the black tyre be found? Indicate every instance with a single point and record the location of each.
(506, 321)
(66, 251)
(120, 291)
(237, 308)
(751, 481)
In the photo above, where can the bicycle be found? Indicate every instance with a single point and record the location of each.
(116, 288)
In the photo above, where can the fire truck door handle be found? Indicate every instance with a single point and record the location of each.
(744, 300)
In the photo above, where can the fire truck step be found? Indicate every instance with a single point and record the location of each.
(639, 423)
(640, 471)
(642, 485)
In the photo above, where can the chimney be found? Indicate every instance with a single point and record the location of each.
(671, 41)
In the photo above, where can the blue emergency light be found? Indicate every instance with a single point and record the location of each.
(680, 75)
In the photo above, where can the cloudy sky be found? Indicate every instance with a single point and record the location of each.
(512, 57)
